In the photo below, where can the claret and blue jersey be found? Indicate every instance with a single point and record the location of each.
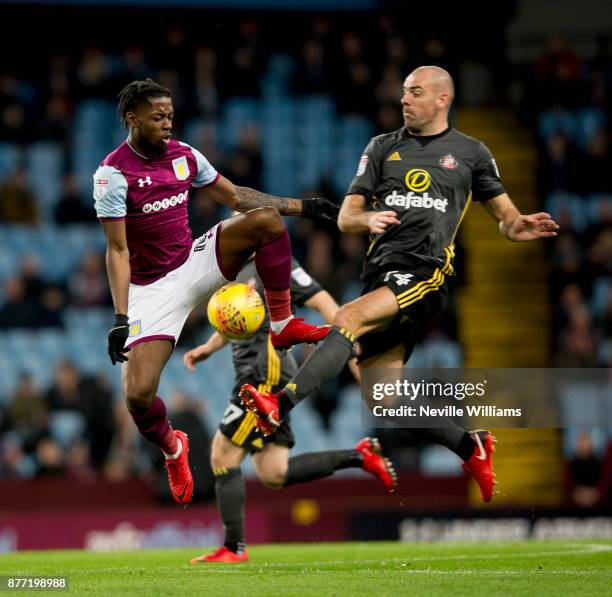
(151, 195)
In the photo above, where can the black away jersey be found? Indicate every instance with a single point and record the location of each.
(428, 182)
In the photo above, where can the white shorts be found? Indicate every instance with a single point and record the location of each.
(158, 311)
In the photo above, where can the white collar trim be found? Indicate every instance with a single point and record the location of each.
(144, 157)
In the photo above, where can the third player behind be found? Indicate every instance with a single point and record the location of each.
(256, 362)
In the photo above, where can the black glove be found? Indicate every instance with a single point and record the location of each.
(320, 209)
(116, 339)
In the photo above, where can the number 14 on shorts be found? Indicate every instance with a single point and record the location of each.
(400, 279)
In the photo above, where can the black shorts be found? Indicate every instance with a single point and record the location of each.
(421, 293)
(269, 373)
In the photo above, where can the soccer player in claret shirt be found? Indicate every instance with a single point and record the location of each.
(157, 273)
(256, 362)
(410, 193)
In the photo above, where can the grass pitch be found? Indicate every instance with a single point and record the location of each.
(519, 568)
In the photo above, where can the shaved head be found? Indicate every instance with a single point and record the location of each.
(439, 77)
(428, 95)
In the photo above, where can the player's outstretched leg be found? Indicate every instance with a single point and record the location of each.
(323, 364)
(277, 470)
(372, 311)
(263, 231)
(140, 380)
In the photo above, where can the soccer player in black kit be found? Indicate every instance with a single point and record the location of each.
(256, 362)
(411, 191)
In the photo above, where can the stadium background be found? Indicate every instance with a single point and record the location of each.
(284, 100)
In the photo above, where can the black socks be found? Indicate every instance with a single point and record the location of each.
(323, 364)
(316, 465)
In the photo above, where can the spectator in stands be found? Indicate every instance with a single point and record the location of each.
(352, 75)
(51, 308)
(64, 393)
(203, 213)
(50, 458)
(27, 412)
(13, 124)
(14, 462)
(17, 202)
(245, 164)
(311, 73)
(555, 165)
(78, 462)
(31, 276)
(93, 74)
(97, 408)
(205, 81)
(578, 340)
(133, 66)
(557, 73)
(585, 472)
(87, 285)
(122, 460)
(70, 209)
(56, 123)
(16, 312)
(90, 397)
(593, 165)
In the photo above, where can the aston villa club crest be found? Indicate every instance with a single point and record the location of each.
(448, 161)
(181, 168)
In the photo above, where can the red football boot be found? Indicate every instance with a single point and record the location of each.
(480, 463)
(222, 556)
(298, 331)
(179, 475)
(263, 405)
(374, 462)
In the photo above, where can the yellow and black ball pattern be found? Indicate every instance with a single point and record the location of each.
(236, 311)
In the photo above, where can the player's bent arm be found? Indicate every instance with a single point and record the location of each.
(516, 226)
(243, 198)
(203, 351)
(356, 218)
(117, 263)
(353, 217)
(216, 342)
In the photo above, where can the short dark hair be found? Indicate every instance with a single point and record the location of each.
(138, 92)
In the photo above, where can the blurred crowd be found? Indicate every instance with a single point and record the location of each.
(571, 104)
(361, 69)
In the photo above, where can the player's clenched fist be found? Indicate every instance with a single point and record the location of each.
(116, 339)
(380, 220)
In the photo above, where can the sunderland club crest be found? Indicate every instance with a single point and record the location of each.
(448, 161)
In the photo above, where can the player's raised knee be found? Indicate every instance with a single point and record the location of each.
(267, 221)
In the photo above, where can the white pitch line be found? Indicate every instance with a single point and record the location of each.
(496, 572)
(583, 549)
